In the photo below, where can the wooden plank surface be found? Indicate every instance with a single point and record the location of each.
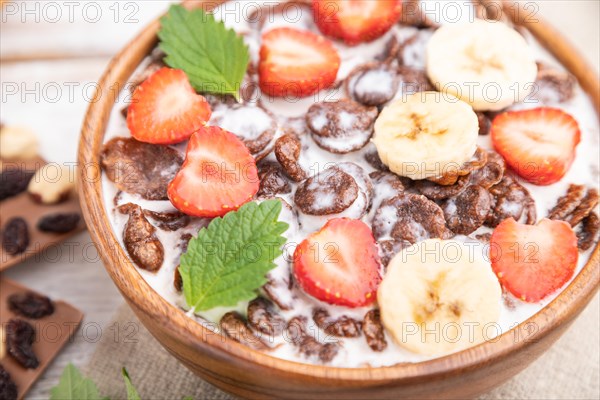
(72, 53)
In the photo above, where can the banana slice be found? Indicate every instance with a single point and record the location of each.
(485, 63)
(440, 296)
(426, 134)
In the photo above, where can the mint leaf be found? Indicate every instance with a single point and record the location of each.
(132, 393)
(213, 57)
(229, 259)
(74, 386)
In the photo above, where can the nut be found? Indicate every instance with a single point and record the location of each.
(51, 184)
(18, 143)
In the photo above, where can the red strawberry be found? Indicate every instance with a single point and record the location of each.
(296, 63)
(539, 144)
(339, 264)
(356, 21)
(533, 261)
(165, 109)
(218, 175)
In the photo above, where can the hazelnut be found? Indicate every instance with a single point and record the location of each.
(52, 184)
(18, 143)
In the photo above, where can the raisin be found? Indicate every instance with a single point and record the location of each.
(30, 305)
(169, 221)
(468, 211)
(373, 329)
(15, 237)
(142, 168)
(263, 317)
(19, 338)
(140, 239)
(14, 182)
(8, 389)
(234, 327)
(409, 217)
(342, 327)
(329, 192)
(59, 222)
(307, 344)
(342, 126)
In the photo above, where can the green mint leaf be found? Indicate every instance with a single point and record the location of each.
(229, 259)
(74, 386)
(132, 393)
(213, 57)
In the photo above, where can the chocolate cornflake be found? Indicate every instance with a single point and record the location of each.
(588, 230)
(20, 336)
(373, 329)
(343, 326)
(359, 83)
(30, 305)
(411, 218)
(8, 388)
(491, 173)
(235, 327)
(389, 248)
(436, 191)
(263, 317)
(169, 220)
(332, 183)
(510, 199)
(566, 204)
(553, 85)
(142, 168)
(273, 180)
(450, 177)
(177, 280)
(141, 242)
(468, 211)
(307, 344)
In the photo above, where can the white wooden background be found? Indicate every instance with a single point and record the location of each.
(49, 52)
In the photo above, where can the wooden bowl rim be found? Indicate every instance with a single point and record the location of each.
(564, 308)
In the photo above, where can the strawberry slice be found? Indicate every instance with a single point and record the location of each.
(339, 264)
(356, 21)
(165, 109)
(217, 176)
(533, 261)
(539, 144)
(296, 63)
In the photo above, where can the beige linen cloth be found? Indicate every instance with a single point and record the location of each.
(569, 370)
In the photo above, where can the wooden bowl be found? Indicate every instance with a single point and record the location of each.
(248, 373)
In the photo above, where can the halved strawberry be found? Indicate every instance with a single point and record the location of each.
(165, 109)
(296, 63)
(356, 21)
(533, 261)
(217, 176)
(539, 144)
(339, 264)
